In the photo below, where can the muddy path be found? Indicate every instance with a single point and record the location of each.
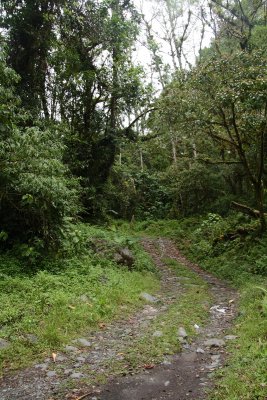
(76, 372)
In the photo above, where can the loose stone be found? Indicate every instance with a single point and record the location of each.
(166, 362)
(199, 350)
(182, 332)
(84, 298)
(148, 297)
(157, 334)
(43, 367)
(4, 344)
(215, 357)
(71, 348)
(60, 358)
(76, 375)
(230, 337)
(83, 342)
(214, 342)
(80, 359)
(51, 374)
(31, 338)
(68, 371)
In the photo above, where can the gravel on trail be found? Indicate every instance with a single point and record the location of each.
(182, 376)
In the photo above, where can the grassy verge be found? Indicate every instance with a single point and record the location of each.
(245, 375)
(43, 307)
(243, 261)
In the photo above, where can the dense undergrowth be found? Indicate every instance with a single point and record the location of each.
(230, 249)
(45, 304)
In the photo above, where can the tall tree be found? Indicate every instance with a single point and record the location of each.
(236, 19)
(225, 101)
(29, 24)
(95, 85)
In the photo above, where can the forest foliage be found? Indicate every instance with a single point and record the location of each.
(85, 135)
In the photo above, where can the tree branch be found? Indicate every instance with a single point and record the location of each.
(245, 210)
(137, 118)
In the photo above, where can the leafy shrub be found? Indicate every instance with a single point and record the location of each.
(130, 192)
(8, 101)
(259, 266)
(211, 227)
(36, 189)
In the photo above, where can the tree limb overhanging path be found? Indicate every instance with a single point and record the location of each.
(75, 373)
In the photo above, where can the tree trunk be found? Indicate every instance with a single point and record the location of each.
(174, 153)
(115, 57)
(141, 160)
(260, 199)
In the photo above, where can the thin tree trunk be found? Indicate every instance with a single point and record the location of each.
(174, 152)
(260, 202)
(113, 100)
(195, 150)
(141, 160)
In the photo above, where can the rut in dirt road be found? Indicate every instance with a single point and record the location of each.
(183, 376)
(186, 375)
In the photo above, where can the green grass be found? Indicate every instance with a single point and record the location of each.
(163, 228)
(65, 297)
(245, 376)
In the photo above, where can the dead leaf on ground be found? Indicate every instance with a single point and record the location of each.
(149, 366)
(71, 307)
(102, 325)
(54, 356)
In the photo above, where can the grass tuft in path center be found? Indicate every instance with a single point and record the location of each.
(189, 308)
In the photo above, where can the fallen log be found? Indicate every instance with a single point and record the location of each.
(245, 210)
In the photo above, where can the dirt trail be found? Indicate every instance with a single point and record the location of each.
(183, 376)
